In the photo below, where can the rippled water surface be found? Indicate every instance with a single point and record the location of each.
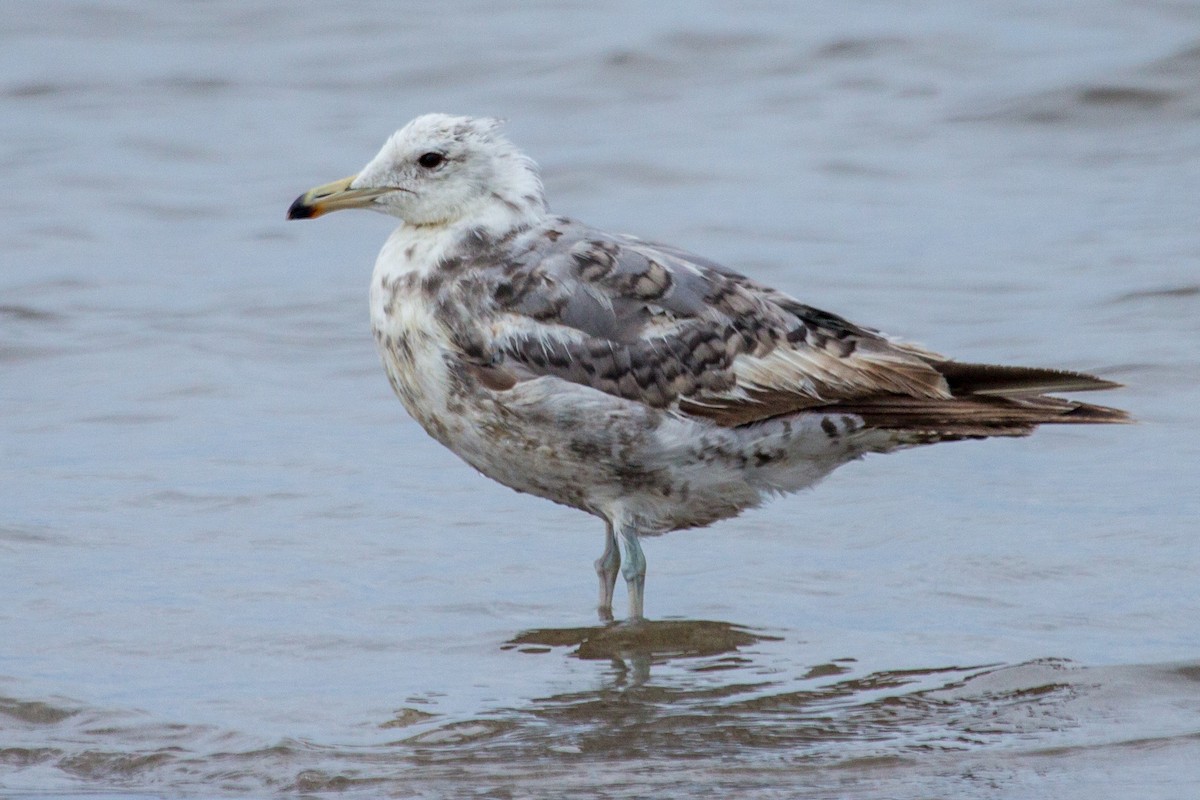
(231, 566)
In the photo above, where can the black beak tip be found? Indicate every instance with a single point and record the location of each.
(300, 209)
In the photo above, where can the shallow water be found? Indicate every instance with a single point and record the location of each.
(230, 565)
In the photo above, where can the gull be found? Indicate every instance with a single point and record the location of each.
(643, 384)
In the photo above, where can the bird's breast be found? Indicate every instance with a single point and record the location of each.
(414, 347)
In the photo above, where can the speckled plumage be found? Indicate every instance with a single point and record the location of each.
(640, 383)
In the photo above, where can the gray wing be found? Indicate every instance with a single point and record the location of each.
(659, 326)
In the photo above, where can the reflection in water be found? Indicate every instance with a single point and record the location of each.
(833, 714)
(633, 647)
(650, 638)
(664, 734)
(687, 712)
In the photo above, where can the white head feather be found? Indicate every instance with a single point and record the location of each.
(445, 169)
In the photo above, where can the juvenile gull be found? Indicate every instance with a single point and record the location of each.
(643, 384)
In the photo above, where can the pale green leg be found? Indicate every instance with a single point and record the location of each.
(634, 572)
(607, 567)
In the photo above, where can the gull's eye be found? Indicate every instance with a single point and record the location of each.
(431, 160)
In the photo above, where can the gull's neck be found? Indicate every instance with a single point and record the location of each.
(425, 248)
(493, 216)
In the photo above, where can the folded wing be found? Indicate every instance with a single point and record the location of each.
(656, 325)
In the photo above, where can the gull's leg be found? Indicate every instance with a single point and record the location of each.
(607, 567)
(634, 571)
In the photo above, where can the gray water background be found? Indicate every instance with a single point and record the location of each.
(231, 566)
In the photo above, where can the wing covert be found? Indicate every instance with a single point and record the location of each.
(655, 325)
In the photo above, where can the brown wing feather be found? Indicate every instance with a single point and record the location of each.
(988, 400)
(983, 415)
(656, 326)
(659, 326)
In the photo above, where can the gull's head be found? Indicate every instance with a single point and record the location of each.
(438, 170)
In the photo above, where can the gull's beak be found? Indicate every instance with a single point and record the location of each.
(332, 197)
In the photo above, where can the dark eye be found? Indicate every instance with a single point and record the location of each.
(431, 160)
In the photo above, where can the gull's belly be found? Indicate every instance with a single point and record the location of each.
(517, 446)
(517, 437)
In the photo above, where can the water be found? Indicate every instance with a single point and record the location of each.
(230, 565)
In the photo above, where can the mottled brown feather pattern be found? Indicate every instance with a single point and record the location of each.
(658, 326)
